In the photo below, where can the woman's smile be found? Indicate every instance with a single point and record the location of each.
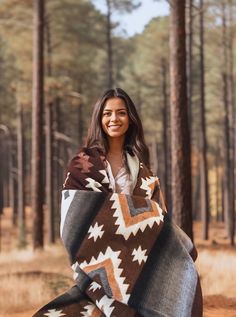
(114, 126)
(115, 118)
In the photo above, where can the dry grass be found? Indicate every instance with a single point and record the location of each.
(217, 272)
(216, 262)
(30, 279)
(20, 293)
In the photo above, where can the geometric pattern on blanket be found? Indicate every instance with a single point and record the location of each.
(131, 219)
(54, 313)
(148, 184)
(105, 269)
(91, 310)
(110, 239)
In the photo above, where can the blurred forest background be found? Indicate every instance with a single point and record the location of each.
(74, 54)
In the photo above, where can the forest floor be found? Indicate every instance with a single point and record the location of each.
(30, 279)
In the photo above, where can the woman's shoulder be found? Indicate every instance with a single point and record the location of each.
(89, 152)
(86, 164)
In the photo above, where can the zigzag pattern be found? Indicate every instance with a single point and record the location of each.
(110, 262)
(148, 184)
(130, 224)
(105, 305)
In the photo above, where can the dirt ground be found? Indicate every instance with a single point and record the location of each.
(219, 306)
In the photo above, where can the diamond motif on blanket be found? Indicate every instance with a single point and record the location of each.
(149, 184)
(95, 232)
(66, 194)
(130, 220)
(139, 255)
(67, 198)
(83, 162)
(106, 268)
(54, 313)
(91, 311)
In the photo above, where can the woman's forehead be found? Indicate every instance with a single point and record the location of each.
(114, 104)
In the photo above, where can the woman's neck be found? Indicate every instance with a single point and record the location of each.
(115, 155)
(116, 146)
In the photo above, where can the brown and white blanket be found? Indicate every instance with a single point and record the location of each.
(128, 258)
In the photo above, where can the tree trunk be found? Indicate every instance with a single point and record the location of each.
(222, 185)
(196, 200)
(11, 177)
(203, 140)
(229, 197)
(1, 191)
(190, 62)
(57, 170)
(49, 141)
(232, 117)
(180, 141)
(14, 192)
(80, 116)
(165, 135)
(109, 45)
(217, 189)
(49, 174)
(37, 124)
(1, 175)
(20, 180)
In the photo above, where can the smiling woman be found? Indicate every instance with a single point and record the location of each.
(115, 123)
(129, 259)
(115, 120)
(114, 108)
(117, 130)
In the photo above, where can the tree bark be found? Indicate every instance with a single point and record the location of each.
(49, 174)
(20, 180)
(203, 139)
(48, 142)
(37, 124)
(232, 117)
(217, 188)
(180, 141)
(190, 62)
(1, 176)
(229, 197)
(59, 155)
(165, 130)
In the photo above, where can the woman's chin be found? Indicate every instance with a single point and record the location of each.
(116, 135)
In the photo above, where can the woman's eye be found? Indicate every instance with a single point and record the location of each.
(122, 113)
(106, 114)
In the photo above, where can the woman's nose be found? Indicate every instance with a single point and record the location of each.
(113, 116)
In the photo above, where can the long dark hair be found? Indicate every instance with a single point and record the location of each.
(134, 138)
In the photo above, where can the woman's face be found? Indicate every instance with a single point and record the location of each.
(115, 119)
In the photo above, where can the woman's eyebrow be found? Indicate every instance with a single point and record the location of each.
(115, 109)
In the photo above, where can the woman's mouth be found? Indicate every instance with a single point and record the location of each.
(114, 126)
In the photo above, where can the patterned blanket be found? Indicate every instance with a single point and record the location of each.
(128, 258)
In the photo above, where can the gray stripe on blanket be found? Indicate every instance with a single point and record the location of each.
(168, 282)
(80, 219)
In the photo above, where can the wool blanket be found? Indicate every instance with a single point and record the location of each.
(128, 258)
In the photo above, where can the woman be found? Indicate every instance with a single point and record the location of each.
(128, 258)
